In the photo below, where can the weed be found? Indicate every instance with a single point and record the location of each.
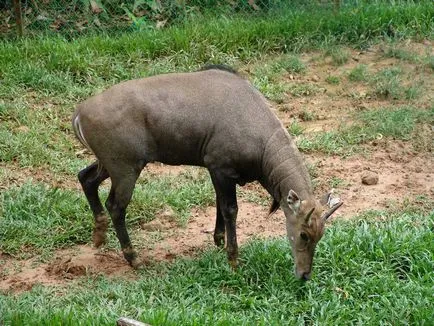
(306, 115)
(274, 91)
(399, 123)
(333, 80)
(335, 182)
(358, 73)
(39, 218)
(387, 83)
(338, 55)
(295, 129)
(292, 64)
(401, 54)
(303, 89)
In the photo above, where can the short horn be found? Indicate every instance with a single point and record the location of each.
(308, 216)
(332, 210)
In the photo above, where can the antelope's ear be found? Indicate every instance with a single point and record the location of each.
(294, 201)
(274, 207)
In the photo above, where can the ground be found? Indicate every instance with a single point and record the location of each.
(404, 168)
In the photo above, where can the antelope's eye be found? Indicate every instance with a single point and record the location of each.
(304, 236)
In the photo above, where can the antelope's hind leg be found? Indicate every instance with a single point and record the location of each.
(90, 179)
(123, 182)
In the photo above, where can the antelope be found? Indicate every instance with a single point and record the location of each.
(211, 118)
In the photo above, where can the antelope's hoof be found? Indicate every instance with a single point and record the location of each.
(100, 230)
(99, 238)
(234, 264)
(137, 264)
(219, 240)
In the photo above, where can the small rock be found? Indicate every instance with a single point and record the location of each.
(369, 178)
(315, 78)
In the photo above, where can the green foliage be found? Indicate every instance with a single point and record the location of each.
(37, 137)
(36, 219)
(304, 89)
(274, 91)
(397, 52)
(399, 123)
(359, 73)
(387, 83)
(365, 269)
(333, 80)
(190, 189)
(295, 129)
(338, 55)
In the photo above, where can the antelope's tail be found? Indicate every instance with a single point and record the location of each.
(80, 136)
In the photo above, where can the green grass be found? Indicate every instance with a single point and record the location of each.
(295, 129)
(304, 89)
(358, 73)
(400, 53)
(333, 80)
(38, 137)
(398, 123)
(35, 218)
(387, 83)
(55, 65)
(338, 55)
(375, 269)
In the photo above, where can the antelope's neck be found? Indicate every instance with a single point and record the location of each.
(283, 168)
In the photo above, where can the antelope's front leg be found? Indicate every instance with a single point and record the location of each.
(227, 204)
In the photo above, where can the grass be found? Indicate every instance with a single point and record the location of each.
(333, 80)
(295, 129)
(387, 83)
(358, 73)
(38, 137)
(338, 55)
(397, 123)
(376, 269)
(36, 219)
(304, 89)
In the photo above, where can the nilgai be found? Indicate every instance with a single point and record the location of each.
(211, 118)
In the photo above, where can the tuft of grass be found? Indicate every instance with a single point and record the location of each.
(363, 270)
(38, 137)
(292, 64)
(304, 89)
(398, 123)
(333, 80)
(387, 83)
(272, 90)
(359, 73)
(307, 115)
(401, 54)
(295, 129)
(181, 193)
(336, 182)
(36, 219)
(429, 61)
(339, 56)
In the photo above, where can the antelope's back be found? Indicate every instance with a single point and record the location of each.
(182, 118)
